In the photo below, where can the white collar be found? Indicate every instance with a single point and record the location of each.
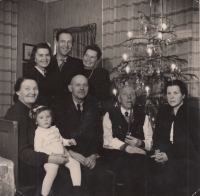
(81, 104)
(123, 111)
(41, 71)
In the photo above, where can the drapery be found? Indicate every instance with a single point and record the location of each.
(8, 52)
(121, 16)
(83, 36)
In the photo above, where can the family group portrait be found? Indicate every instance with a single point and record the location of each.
(99, 98)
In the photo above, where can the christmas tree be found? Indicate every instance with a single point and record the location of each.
(148, 68)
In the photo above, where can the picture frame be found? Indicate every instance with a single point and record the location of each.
(27, 49)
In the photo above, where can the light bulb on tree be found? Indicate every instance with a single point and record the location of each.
(125, 56)
(164, 26)
(173, 67)
(147, 88)
(129, 34)
(127, 69)
(114, 91)
(159, 36)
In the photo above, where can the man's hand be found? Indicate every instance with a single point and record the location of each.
(160, 157)
(132, 141)
(72, 142)
(80, 158)
(90, 161)
(58, 159)
(134, 150)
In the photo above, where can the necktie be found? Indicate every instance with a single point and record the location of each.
(126, 113)
(63, 62)
(79, 109)
(45, 72)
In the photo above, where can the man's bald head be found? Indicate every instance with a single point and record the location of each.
(79, 88)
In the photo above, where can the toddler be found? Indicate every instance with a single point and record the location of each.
(48, 140)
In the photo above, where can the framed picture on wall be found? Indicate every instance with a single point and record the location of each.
(27, 49)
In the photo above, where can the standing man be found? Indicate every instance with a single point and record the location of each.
(63, 66)
(76, 118)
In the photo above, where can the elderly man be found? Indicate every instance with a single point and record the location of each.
(78, 119)
(63, 66)
(127, 133)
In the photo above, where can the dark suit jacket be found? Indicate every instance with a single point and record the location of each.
(85, 129)
(59, 80)
(43, 86)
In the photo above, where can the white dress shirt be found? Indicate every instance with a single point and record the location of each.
(114, 143)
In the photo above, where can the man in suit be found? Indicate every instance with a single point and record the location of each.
(78, 119)
(63, 66)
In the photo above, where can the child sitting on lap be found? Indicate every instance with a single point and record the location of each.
(48, 140)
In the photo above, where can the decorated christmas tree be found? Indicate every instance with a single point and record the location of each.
(149, 68)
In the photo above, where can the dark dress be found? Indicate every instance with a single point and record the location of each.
(88, 133)
(44, 97)
(31, 171)
(99, 82)
(99, 87)
(31, 163)
(180, 174)
(59, 80)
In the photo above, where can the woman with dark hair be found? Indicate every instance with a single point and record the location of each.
(176, 141)
(40, 59)
(31, 172)
(98, 77)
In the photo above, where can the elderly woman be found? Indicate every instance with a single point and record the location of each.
(40, 59)
(98, 77)
(176, 144)
(31, 172)
(127, 134)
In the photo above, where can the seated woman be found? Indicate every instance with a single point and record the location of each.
(98, 78)
(40, 59)
(127, 133)
(31, 171)
(176, 143)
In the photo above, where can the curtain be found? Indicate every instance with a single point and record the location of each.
(8, 52)
(83, 36)
(121, 16)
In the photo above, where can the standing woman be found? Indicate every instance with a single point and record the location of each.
(40, 59)
(98, 77)
(30, 171)
(176, 141)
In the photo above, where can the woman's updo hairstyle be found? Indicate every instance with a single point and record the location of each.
(35, 48)
(178, 83)
(17, 87)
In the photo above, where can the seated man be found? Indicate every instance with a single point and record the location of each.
(126, 133)
(79, 120)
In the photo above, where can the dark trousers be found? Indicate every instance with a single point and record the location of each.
(131, 170)
(173, 178)
(97, 181)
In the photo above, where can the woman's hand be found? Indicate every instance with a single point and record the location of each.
(90, 161)
(132, 141)
(80, 158)
(72, 142)
(134, 150)
(160, 157)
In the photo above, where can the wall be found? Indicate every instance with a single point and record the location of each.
(31, 26)
(68, 13)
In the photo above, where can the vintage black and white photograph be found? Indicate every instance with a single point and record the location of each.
(99, 98)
